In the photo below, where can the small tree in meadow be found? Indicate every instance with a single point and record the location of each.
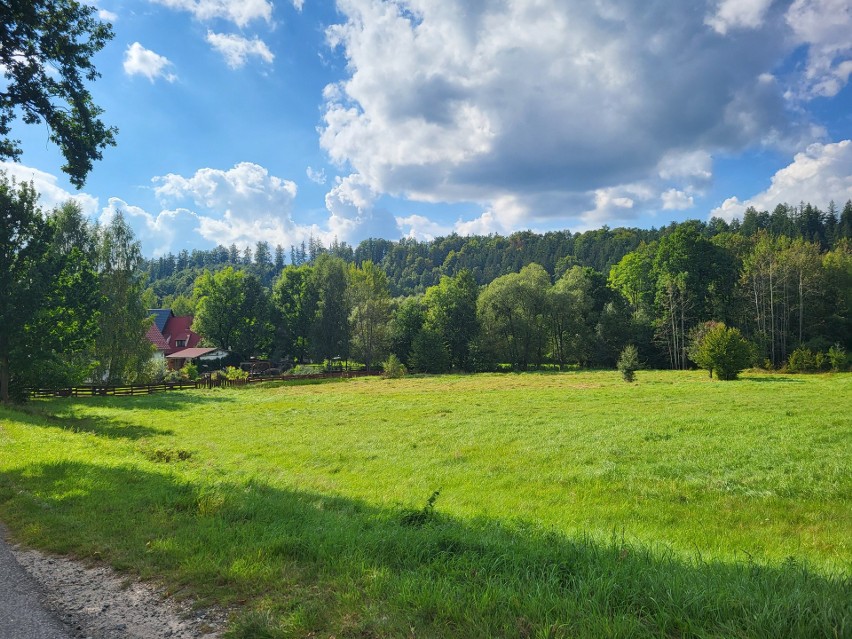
(722, 349)
(838, 358)
(393, 368)
(628, 362)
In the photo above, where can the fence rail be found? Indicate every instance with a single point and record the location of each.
(95, 390)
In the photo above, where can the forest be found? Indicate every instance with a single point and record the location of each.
(784, 279)
(77, 294)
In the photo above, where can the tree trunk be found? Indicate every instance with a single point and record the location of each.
(4, 379)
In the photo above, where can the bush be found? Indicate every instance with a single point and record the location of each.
(628, 362)
(189, 371)
(721, 349)
(838, 358)
(233, 373)
(802, 360)
(393, 368)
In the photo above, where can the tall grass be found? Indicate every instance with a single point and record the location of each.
(570, 505)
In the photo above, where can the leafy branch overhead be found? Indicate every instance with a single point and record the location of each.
(46, 50)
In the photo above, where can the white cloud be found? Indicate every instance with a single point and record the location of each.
(743, 14)
(419, 227)
(821, 173)
(240, 12)
(825, 26)
(159, 231)
(106, 15)
(546, 104)
(315, 176)
(141, 61)
(50, 193)
(237, 49)
(242, 205)
(298, 4)
(674, 200)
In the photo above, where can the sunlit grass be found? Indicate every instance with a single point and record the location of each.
(570, 504)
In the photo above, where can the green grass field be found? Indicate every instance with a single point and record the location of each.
(570, 505)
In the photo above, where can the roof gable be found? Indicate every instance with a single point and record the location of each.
(161, 316)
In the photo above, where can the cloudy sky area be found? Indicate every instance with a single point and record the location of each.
(247, 120)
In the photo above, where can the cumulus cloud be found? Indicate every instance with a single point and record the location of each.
(161, 231)
(237, 49)
(240, 12)
(419, 227)
(141, 61)
(744, 14)
(50, 193)
(825, 26)
(674, 200)
(241, 205)
(539, 111)
(106, 15)
(821, 173)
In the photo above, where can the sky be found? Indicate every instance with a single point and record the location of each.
(257, 120)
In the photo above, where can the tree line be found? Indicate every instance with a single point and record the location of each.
(78, 294)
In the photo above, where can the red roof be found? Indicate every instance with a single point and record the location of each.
(156, 338)
(180, 329)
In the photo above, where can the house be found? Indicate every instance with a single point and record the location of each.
(175, 330)
(156, 338)
(172, 335)
(205, 358)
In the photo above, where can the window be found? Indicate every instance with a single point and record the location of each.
(180, 342)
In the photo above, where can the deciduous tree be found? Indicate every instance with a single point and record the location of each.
(46, 50)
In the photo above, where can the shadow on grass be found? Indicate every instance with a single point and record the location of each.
(774, 378)
(305, 563)
(41, 415)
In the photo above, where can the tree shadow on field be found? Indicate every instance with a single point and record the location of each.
(100, 426)
(304, 563)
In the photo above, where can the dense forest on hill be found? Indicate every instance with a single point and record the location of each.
(784, 279)
(412, 266)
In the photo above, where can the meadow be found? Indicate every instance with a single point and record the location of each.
(516, 505)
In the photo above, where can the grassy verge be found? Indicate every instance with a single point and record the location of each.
(570, 505)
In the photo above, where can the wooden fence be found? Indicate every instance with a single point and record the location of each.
(94, 390)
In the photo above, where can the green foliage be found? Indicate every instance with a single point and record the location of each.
(838, 358)
(295, 297)
(722, 349)
(802, 360)
(189, 371)
(451, 312)
(429, 353)
(330, 331)
(48, 293)
(393, 368)
(628, 362)
(406, 323)
(369, 301)
(234, 373)
(46, 51)
(233, 312)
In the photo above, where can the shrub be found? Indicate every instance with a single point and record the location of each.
(233, 373)
(393, 368)
(628, 362)
(838, 358)
(802, 360)
(723, 350)
(189, 371)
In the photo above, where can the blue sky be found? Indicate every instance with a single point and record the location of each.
(247, 120)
